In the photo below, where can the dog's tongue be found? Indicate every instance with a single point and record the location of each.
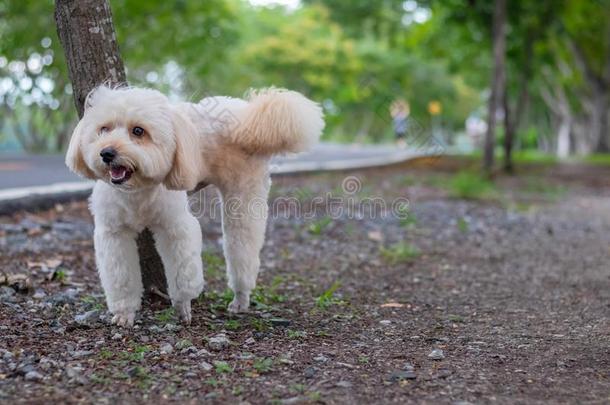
(118, 172)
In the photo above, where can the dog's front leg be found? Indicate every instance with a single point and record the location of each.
(179, 244)
(116, 255)
(244, 219)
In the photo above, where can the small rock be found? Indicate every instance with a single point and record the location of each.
(88, 318)
(23, 369)
(46, 363)
(295, 400)
(202, 352)
(204, 365)
(245, 356)
(310, 372)
(183, 344)
(344, 384)
(376, 236)
(117, 336)
(6, 292)
(170, 327)
(65, 297)
(250, 341)
(436, 354)
(155, 329)
(33, 376)
(76, 374)
(280, 322)
(219, 342)
(402, 375)
(321, 358)
(385, 322)
(191, 350)
(39, 294)
(166, 348)
(81, 353)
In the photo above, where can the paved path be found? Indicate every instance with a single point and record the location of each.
(20, 171)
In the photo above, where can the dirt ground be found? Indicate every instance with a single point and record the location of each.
(503, 298)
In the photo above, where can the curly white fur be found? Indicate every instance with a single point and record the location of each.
(140, 148)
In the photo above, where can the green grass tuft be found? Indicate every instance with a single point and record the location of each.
(328, 299)
(399, 252)
(471, 186)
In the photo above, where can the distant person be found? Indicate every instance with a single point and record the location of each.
(476, 128)
(399, 110)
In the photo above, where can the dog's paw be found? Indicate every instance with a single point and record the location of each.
(124, 319)
(240, 303)
(183, 309)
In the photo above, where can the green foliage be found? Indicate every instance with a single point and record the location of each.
(318, 226)
(165, 315)
(470, 185)
(295, 334)
(327, 298)
(399, 252)
(232, 324)
(263, 365)
(222, 367)
(354, 56)
(462, 225)
(599, 159)
(214, 264)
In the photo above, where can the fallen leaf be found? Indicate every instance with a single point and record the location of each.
(392, 305)
(45, 266)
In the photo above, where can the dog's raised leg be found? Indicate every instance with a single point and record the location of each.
(179, 244)
(244, 219)
(116, 255)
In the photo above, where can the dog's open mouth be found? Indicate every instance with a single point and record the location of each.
(119, 174)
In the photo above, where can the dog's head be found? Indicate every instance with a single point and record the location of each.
(134, 138)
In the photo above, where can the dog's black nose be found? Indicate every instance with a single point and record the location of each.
(108, 154)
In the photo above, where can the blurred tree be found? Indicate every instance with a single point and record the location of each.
(163, 42)
(498, 82)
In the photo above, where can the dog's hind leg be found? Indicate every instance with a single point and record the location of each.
(179, 244)
(116, 255)
(244, 219)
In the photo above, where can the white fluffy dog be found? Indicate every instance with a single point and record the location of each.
(141, 147)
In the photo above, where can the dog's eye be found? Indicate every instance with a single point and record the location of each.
(137, 131)
(103, 130)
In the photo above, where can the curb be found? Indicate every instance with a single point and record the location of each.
(44, 197)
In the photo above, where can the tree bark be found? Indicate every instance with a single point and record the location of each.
(513, 121)
(87, 34)
(498, 81)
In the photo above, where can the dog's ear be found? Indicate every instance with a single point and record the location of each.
(185, 171)
(74, 156)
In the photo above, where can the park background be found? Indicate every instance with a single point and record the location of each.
(354, 57)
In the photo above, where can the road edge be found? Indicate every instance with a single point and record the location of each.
(44, 197)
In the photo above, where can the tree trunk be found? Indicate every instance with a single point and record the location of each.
(87, 35)
(498, 81)
(600, 120)
(563, 138)
(513, 121)
(509, 135)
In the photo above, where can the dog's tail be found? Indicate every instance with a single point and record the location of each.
(277, 121)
